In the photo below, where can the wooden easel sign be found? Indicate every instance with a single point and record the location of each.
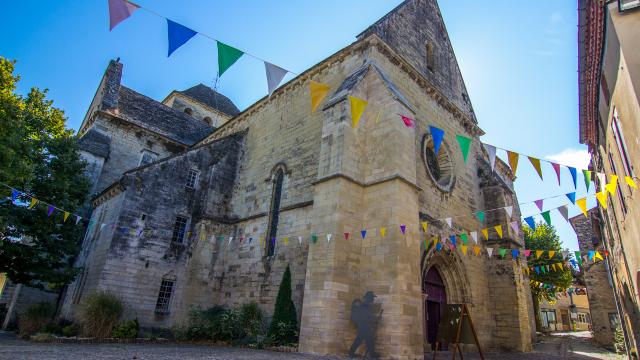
(456, 328)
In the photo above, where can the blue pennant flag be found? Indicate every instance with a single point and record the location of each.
(537, 269)
(572, 197)
(14, 194)
(363, 233)
(574, 175)
(514, 253)
(530, 222)
(178, 35)
(438, 246)
(437, 135)
(453, 240)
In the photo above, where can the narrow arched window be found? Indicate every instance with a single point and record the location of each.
(188, 111)
(431, 58)
(274, 214)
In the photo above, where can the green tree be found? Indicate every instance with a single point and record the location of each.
(284, 324)
(38, 156)
(545, 238)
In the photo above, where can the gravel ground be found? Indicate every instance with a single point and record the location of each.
(566, 346)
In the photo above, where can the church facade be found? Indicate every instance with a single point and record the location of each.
(191, 222)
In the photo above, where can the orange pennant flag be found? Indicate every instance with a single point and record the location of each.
(498, 230)
(318, 92)
(513, 161)
(536, 165)
(485, 232)
(539, 253)
(582, 204)
(602, 199)
(357, 108)
(476, 250)
(551, 253)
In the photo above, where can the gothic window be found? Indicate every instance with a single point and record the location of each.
(431, 58)
(192, 178)
(274, 214)
(164, 296)
(179, 229)
(439, 166)
(188, 111)
(147, 157)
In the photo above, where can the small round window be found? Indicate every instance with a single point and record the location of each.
(439, 166)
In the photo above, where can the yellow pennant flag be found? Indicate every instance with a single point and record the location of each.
(539, 253)
(598, 256)
(526, 270)
(602, 199)
(485, 232)
(582, 204)
(612, 185)
(498, 230)
(536, 165)
(357, 108)
(476, 250)
(424, 226)
(551, 253)
(464, 249)
(435, 242)
(202, 235)
(630, 182)
(286, 241)
(33, 203)
(513, 161)
(553, 266)
(383, 231)
(318, 92)
(65, 216)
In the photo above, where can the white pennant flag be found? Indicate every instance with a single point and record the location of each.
(300, 240)
(490, 251)
(564, 211)
(101, 227)
(492, 154)
(565, 254)
(230, 238)
(602, 179)
(78, 219)
(509, 210)
(474, 236)
(448, 220)
(275, 74)
(329, 237)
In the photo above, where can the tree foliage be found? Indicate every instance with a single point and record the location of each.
(284, 324)
(38, 156)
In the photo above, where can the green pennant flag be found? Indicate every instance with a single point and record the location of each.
(587, 178)
(578, 257)
(314, 238)
(464, 238)
(464, 142)
(547, 216)
(480, 215)
(502, 252)
(227, 56)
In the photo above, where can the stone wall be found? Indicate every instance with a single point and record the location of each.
(199, 111)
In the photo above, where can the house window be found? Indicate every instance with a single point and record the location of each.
(164, 297)
(548, 317)
(614, 320)
(188, 111)
(275, 212)
(622, 145)
(628, 4)
(583, 318)
(431, 58)
(179, 229)
(147, 157)
(192, 178)
(623, 202)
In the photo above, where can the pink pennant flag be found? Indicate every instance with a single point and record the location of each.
(408, 122)
(527, 253)
(120, 10)
(515, 226)
(556, 167)
(539, 203)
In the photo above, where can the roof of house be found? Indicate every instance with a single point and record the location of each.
(211, 98)
(95, 142)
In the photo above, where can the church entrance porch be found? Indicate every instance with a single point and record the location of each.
(435, 299)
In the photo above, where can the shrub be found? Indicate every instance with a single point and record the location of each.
(36, 318)
(251, 319)
(70, 331)
(126, 330)
(40, 337)
(229, 326)
(284, 324)
(100, 313)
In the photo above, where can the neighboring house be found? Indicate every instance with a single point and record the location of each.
(609, 81)
(570, 312)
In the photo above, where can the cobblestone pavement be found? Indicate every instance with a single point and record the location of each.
(549, 348)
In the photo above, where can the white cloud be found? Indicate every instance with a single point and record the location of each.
(572, 157)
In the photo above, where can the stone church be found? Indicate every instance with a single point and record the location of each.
(193, 190)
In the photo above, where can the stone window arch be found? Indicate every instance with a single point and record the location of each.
(208, 120)
(188, 111)
(439, 167)
(430, 56)
(277, 184)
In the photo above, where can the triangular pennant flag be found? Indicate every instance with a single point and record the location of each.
(582, 204)
(318, 92)
(502, 252)
(515, 253)
(498, 229)
(591, 253)
(476, 250)
(537, 268)
(15, 194)
(578, 257)
(329, 237)
(602, 199)
(408, 122)
(565, 254)
(598, 256)
(529, 220)
(556, 168)
(438, 246)
(464, 249)
(101, 226)
(574, 176)
(480, 216)
(285, 240)
(464, 238)
(299, 240)
(464, 143)
(474, 236)
(513, 161)
(357, 109)
(346, 236)
(50, 209)
(630, 182)
(424, 226)
(275, 74)
(437, 135)
(547, 216)
(539, 253)
(539, 203)
(527, 253)
(403, 228)
(383, 231)
(178, 35)
(120, 10)
(553, 267)
(227, 56)
(572, 197)
(509, 210)
(78, 219)
(490, 252)
(536, 165)
(485, 232)
(363, 233)
(452, 238)
(33, 203)
(602, 180)
(231, 239)
(65, 216)
(314, 238)
(526, 270)
(491, 150)
(448, 220)
(587, 178)
(515, 226)
(551, 254)
(564, 211)
(612, 185)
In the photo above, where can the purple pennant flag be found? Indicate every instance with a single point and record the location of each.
(120, 10)
(403, 228)
(178, 35)
(515, 226)
(539, 203)
(50, 210)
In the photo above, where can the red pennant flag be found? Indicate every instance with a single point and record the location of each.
(346, 236)
(408, 122)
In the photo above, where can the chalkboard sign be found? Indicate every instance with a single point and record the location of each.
(456, 328)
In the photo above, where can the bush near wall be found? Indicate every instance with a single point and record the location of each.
(100, 314)
(239, 324)
(37, 318)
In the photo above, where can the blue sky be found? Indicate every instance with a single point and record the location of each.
(518, 59)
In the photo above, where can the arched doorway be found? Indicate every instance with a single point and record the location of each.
(435, 299)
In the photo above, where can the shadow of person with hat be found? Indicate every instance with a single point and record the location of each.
(366, 322)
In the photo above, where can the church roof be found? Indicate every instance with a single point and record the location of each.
(95, 142)
(212, 98)
(157, 117)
